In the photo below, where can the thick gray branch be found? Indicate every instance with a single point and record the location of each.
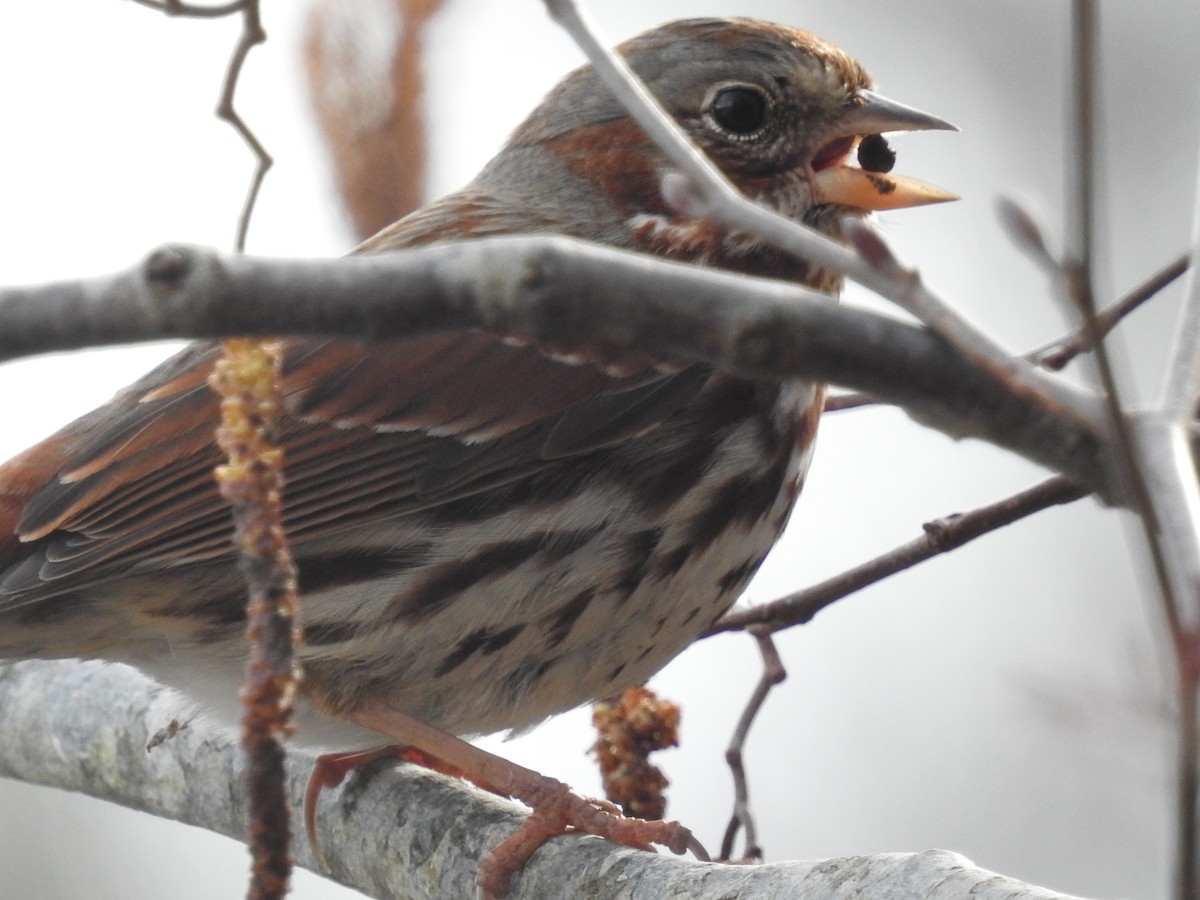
(398, 832)
(572, 296)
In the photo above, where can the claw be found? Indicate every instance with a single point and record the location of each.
(329, 771)
(558, 811)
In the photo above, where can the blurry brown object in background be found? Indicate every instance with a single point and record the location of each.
(364, 63)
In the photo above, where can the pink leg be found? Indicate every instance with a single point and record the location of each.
(331, 770)
(555, 808)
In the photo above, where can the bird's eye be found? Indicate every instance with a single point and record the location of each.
(739, 111)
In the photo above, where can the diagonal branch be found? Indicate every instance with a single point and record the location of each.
(941, 536)
(1058, 353)
(1172, 520)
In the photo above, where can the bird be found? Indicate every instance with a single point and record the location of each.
(486, 532)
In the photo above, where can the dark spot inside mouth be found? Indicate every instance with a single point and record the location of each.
(832, 153)
(875, 154)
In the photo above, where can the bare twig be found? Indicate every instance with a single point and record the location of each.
(252, 34)
(1181, 387)
(1169, 468)
(194, 11)
(773, 673)
(1154, 458)
(941, 536)
(1080, 286)
(761, 621)
(1056, 354)
(711, 196)
(1028, 233)
(1078, 267)
(1177, 500)
(1174, 496)
(1183, 517)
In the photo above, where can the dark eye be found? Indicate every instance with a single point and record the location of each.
(875, 154)
(740, 111)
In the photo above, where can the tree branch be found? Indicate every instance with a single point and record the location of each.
(399, 831)
(1058, 353)
(940, 536)
(570, 296)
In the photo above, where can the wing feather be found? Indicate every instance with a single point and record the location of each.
(367, 430)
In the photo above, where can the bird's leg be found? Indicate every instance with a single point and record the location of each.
(556, 809)
(331, 769)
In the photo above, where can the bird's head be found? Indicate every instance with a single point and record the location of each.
(790, 118)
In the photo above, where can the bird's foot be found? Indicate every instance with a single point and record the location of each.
(555, 808)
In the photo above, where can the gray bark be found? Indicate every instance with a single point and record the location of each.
(395, 831)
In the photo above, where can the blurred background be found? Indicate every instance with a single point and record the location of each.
(1006, 701)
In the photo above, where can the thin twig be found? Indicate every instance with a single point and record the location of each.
(1156, 460)
(941, 536)
(711, 196)
(1056, 354)
(773, 673)
(1188, 850)
(252, 34)
(192, 11)
(1177, 403)
(1174, 499)
(1181, 386)
(1078, 269)
(1028, 233)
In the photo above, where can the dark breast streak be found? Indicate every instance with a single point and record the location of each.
(599, 570)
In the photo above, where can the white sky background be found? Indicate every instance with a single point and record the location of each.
(1002, 702)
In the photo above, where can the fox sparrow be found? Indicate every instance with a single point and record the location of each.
(486, 534)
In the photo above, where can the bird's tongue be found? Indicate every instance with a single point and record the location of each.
(834, 180)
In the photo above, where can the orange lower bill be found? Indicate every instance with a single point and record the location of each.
(851, 186)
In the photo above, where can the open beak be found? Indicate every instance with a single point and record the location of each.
(835, 180)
